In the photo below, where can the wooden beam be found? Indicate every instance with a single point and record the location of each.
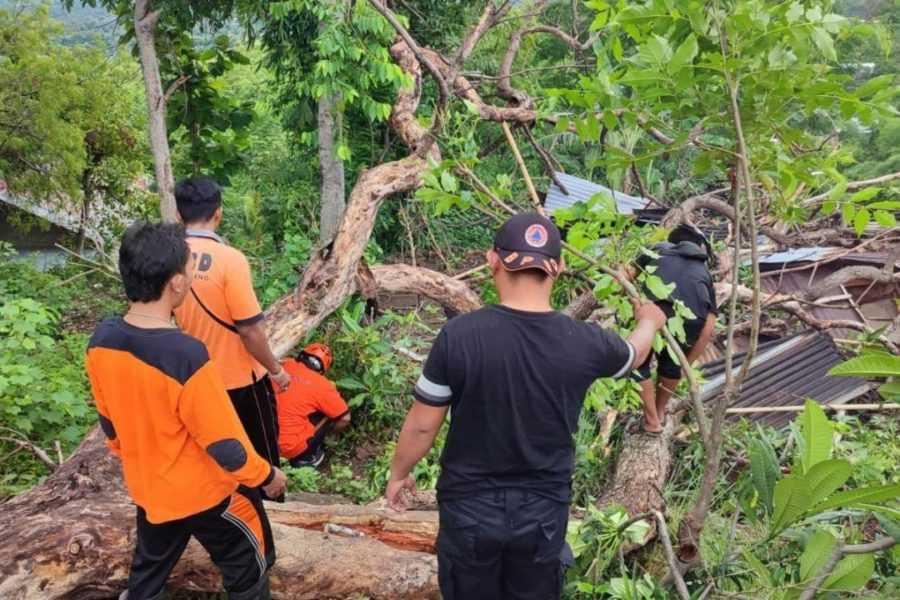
(748, 410)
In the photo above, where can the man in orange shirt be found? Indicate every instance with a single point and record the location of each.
(222, 311)
(187, 462)
(310, 409)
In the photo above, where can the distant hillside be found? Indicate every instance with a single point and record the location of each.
(83, 24)
(90, 26)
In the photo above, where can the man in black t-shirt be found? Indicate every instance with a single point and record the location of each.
(682, 261)
(515, 376)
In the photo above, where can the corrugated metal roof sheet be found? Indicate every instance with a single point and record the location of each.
(582, 190)
(777, 260)
(786, 372)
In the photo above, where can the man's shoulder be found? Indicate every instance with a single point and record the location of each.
(173, 352)
(470, 321)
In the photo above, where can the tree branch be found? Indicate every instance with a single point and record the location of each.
(839, 552)
(170, 91)
(670, 556)
(854, 186)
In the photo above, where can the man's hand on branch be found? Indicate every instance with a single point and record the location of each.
(648, 311)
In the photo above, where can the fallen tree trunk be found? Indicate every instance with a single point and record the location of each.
(73, 537)
(641, 471)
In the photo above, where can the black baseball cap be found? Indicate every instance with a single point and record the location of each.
(529, 241)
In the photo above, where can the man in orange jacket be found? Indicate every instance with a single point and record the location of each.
(310, 409)
(187, 461)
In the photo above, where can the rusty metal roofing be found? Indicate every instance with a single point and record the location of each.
(786, 372)
(582, 190)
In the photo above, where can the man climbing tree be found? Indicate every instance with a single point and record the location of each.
(187, 462)
(681, 262)
(515, 375)
(222, 311)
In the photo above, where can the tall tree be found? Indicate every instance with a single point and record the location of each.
(146, 20)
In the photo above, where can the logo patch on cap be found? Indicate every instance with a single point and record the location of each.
(536, 236)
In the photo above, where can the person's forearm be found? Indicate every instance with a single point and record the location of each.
(641, 339)
(413, 445)
(257, 344)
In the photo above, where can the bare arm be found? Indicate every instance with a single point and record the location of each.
(257, 344)
(416, 438)
(650, 319)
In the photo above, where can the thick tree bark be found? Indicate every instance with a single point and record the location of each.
(446, 291)
(331, 168)
(145, 20)
(331, 275)
(73, 537)
(640, 476)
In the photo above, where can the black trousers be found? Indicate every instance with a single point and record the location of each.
(318, 438)
(236, 534)
(502, 545)
(255, 407)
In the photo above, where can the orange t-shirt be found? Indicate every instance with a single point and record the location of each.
(166, 415)
(222, 282)
(309, 392)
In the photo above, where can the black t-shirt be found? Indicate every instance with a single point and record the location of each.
(684, 264)
(515, 382)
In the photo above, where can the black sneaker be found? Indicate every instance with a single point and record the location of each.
(314, 461)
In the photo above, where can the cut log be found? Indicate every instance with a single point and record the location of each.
(73, 536)
(443, 289)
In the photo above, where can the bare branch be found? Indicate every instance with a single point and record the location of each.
(174, 88)
(840, 550)
(22, 442)
(854, 186)
(683, 212)
(670, 556)
(852, 273)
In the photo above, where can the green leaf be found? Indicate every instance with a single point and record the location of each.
(685, 54)
(851, 573)
(818, 548)
(824, 42)
(817, 434)
(790, 502)
(794, 12)
(861, 221)
(848, 211)
(874, 85)
(855, 497)
(758, 567)
(658, 288)
(890, 391)
(826, 477)
(870, 365)
(764, 471)
(885, 205)
(866, 194)
(448, 182)
(885, 219)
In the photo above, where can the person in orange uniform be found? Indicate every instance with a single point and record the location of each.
(310, 409)
(187, 462)
(222, 311)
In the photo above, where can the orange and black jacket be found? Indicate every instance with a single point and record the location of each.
(166, 414)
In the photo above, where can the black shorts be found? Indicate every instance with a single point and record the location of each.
(665, 364)
(236, 533)
(508, 544)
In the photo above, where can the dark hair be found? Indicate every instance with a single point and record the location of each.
(150, 255)
(686, 232)
(197, 199)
